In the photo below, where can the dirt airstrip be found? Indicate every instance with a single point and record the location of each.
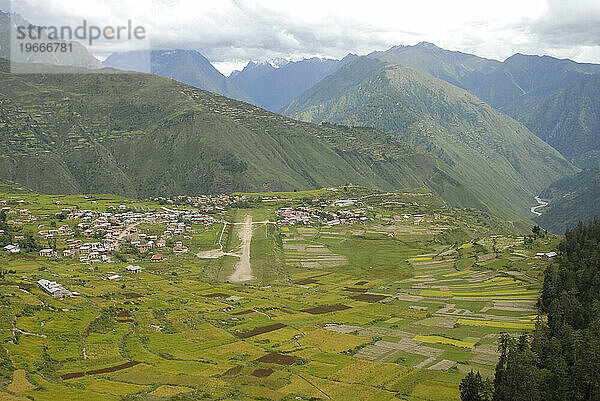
(243, 272)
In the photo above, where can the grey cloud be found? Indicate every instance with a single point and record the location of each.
(568, 23)
(248, 30)
(255, 32)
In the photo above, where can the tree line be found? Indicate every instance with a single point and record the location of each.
(560, 360)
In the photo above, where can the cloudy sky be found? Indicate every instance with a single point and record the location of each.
(232, 32)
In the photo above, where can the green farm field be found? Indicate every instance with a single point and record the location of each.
(397, 305)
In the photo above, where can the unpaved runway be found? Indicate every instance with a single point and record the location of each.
(243, 272)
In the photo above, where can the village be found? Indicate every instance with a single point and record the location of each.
(205, 203)
(92, 237)
(324, 213)
(338, 212)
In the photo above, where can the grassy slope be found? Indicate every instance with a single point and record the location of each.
(569, 120)
(187, 66)
(139, 134)
(503, 160)
(9, 187)
(556, 99)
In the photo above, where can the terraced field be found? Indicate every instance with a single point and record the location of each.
(379, 310)
(300, 250)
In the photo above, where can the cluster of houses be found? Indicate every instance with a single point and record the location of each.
(417, 218)
(62, 231)
(145, 243)
(342, 211)
(20, 212)
(306, 215)
(89, 252)
(109, 230)
(292, 216)
(24, 215)
(206, 203)
(546, 255)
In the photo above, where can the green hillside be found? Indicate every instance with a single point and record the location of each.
(569, 120)
(572, 200)
(555, 98)
(451, 66)
(501, 158)
(140, 134)
(187, 66)
(9, 187)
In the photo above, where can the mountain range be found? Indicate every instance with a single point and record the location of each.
(493, 151)
(477, 131)
(273, 87)
(142, 135)
(187, 66)
(556, 99)
(270, 85)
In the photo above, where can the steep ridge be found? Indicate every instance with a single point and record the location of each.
(187, 66)
(569, 120)
(499, 156)
(571, 200)
(553, 97)
(140, 134)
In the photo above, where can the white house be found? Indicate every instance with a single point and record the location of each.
(53, 288)
(48, 253)
(12, 248)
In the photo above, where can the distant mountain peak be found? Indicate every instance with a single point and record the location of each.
(349, 56)
(183, 65)
(274, 83)
(427, 45)
(278, 62)
(79, 56)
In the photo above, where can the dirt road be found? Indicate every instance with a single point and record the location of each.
(243, 272)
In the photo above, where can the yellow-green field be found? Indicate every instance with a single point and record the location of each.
(378, 309)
